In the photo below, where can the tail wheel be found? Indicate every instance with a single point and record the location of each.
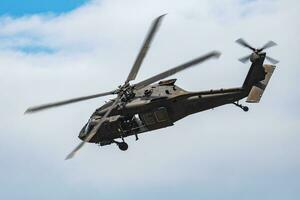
(245, 108)
(123, 146)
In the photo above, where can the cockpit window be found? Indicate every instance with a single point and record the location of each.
(86, 129)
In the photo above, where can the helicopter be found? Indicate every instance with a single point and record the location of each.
(157, 103)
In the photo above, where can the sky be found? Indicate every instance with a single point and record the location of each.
(50, 50)
(19, 8)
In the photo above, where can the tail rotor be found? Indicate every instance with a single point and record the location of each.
(256, 52)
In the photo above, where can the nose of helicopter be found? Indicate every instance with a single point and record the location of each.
(83, 132)
(86, 129)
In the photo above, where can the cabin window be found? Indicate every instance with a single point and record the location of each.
(158, 116)
(167, 92)
(149, 118)
(161, 115)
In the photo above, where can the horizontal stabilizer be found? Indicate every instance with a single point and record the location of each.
(258, 89)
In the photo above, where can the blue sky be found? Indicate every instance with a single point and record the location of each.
(26, 7)
(223, 153)
(20, 8)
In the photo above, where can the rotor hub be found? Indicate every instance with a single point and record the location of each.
(125, 92)
(254, 57)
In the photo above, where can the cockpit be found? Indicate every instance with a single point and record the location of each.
(88, 126)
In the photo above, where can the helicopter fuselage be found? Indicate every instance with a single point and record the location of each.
(154, 107)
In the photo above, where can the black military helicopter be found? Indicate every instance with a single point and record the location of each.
(146, 106)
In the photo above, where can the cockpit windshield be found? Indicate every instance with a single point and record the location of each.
(86, 129)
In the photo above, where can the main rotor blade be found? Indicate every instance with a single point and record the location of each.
(272, 60)
(177, 69)
(244, 44)
(268, 45)
(139, 60)
(245, 59)
(65, 102)
(93, 131)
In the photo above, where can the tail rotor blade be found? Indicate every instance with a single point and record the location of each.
(272, 60)
(268, 45)
(245, 59)
(244, 44)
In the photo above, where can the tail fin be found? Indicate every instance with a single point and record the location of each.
(256, 72)
(258, 88)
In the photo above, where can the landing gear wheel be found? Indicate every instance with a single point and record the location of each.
(245, 108)
(123, 146)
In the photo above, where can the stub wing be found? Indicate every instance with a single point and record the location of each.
(259, 88)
